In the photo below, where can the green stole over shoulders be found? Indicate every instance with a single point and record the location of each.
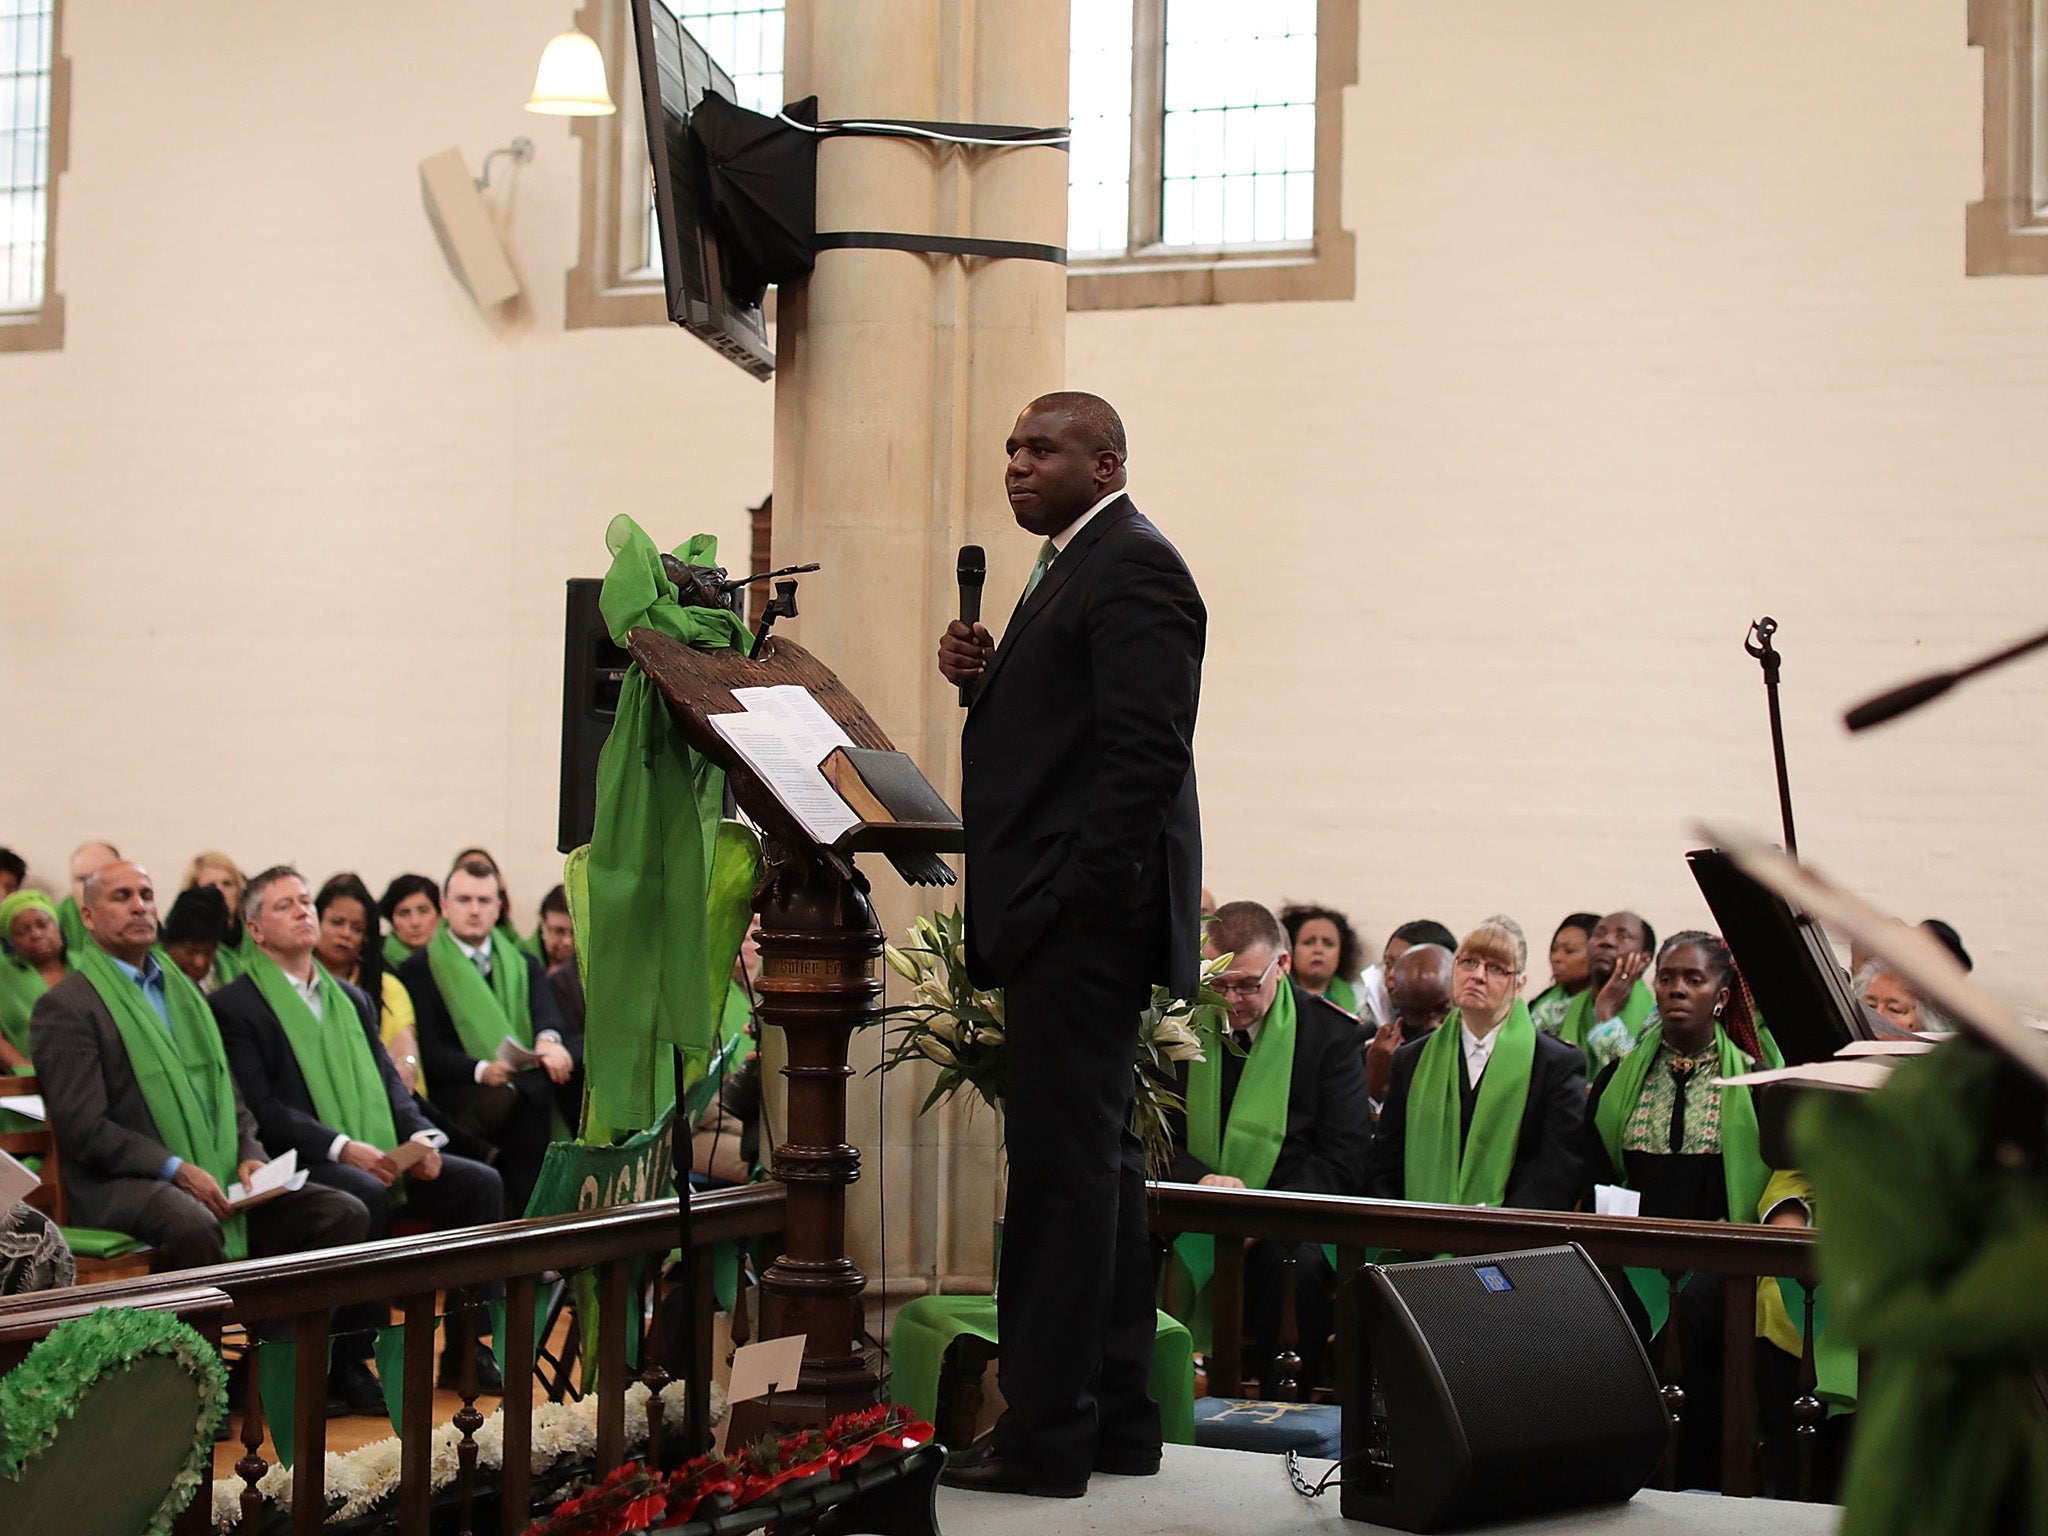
(1438, 1168)
(396, 952)
(738, 1014)
(20, 985)
(332, 1052)
(232, 961)
(484, 1012)
(72, 925)
(1343, 994)
(182, 1071)
(1246, 1147)
(1579, 1020)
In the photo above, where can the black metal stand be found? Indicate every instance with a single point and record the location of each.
(1759, 645)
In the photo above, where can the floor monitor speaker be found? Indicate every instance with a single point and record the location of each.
(592, 670)
(1491, 1388)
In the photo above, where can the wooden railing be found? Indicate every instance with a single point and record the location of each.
(1739, 1255)
(296, 1296)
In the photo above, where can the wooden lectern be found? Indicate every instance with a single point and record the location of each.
(818, 983)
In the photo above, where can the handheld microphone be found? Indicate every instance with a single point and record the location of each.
(1887, 706)
(971, 572)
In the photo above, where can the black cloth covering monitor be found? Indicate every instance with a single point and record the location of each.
(675, 72)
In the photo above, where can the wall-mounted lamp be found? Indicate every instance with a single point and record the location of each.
(570, 81)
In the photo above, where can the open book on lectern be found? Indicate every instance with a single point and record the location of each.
(831, 786)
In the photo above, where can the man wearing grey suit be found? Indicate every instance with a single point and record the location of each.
(147, 1120)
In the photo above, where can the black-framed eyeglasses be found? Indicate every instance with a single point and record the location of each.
(1239, 986)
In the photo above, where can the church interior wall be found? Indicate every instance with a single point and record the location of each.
(1660, 325)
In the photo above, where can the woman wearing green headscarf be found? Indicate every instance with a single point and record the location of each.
(33, 962)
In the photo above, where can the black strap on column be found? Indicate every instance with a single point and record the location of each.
(1050, 138)
(938, 245)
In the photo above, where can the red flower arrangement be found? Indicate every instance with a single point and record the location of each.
(635, 1498)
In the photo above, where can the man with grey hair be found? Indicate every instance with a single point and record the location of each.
(309, 1060)
(148, 1123)
(1282, 1106)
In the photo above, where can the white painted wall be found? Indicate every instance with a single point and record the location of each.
(1660, 326)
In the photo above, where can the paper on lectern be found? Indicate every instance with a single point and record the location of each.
(779, 736)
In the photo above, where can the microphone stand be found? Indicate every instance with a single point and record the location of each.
(1758, 644)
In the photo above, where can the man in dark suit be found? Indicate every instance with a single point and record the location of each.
(1546, 1128)
(1327, 1122)
(1083, 889)
(508, 1108)
(287, 1024)
(119, 1167)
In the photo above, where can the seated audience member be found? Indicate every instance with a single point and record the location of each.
(1325, 954)
(1901, 1013)
(13, 871)
(1372, 986)
(412, 906)
(1570, 974)
(1950, 940)
(557, 934)
(1610, 1014)
(307, 1056)
(505, 924)
(348, 947)
(194, 930)
(1419, 997)
(1285, 1110)
(214, 869)
(1660, 1123)
(85, 858)
(557, 931)
(144, 1107)
(725, 1145)
(32, 960)
(472, 988)
(1487, 1110)
(33, 1254)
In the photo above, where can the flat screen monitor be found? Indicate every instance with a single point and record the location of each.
(675, 72)
(1799, 987)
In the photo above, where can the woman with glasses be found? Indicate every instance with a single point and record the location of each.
(1487, 1110)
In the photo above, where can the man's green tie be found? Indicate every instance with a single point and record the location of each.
(1047, 553)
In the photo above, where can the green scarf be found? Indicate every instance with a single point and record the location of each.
(232, 961)
(183, 1073)
(1743, 1172)
(20, 985)
(1246, 1147)
(484, 1012)
(396, 951)
(1343, 994)
(73, 926)
(1578, 1018)
(656, 971)
(342, 1076)
(1438, 1169)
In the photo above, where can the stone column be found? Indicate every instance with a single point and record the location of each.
(898, 378)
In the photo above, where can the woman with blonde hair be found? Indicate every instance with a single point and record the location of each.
(215, 869)
(1487, 1109)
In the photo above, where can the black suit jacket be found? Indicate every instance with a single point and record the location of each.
(1548, 1172)
(1329, 1118)
(267, 1073)
(450, 1069)
(112, 1152)
(1077, 759)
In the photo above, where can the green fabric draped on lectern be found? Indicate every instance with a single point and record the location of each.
(1932, 1252)
(661, 874)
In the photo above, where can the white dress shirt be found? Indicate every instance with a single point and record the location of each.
(1478, 1051)
(1065, 536)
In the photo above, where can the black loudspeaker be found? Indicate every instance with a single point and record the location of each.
(592, 670)
(1491, 1388)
